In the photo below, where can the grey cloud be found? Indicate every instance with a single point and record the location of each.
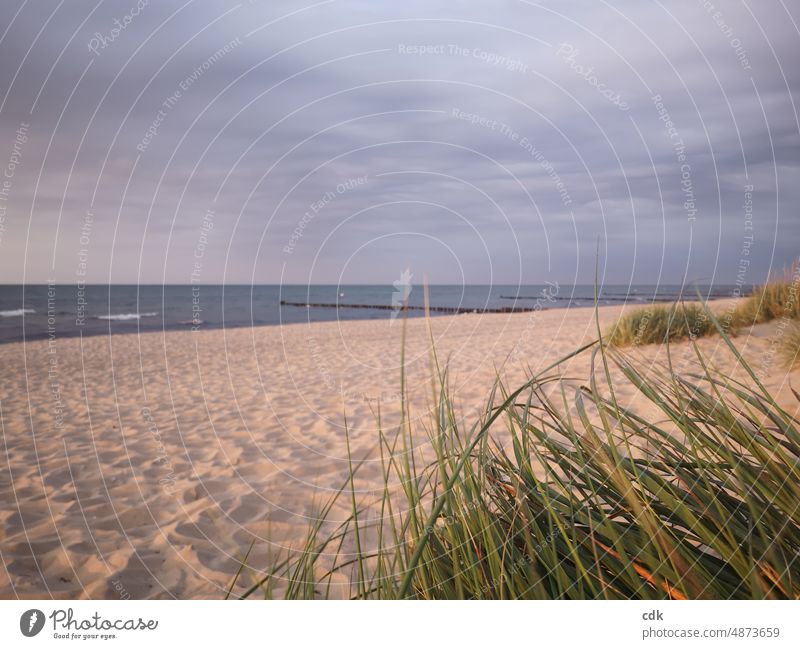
(321, 95)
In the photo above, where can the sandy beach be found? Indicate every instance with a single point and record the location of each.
(144, 466)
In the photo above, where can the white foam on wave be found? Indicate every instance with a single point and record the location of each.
(13, 313)
(127, 316)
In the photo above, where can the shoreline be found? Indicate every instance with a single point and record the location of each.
(412, 312)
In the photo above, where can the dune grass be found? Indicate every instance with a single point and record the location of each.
(660, 324)
(585, 499)
(790, 346)
(778, 298)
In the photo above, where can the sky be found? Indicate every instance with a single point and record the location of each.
(344, 141)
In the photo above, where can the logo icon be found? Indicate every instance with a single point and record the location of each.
(402, 290)
(31, 622)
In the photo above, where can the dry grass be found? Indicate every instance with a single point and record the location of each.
(778, 298)
(790, 346)
(660, 324)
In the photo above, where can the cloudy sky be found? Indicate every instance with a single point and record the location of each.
(343, 141)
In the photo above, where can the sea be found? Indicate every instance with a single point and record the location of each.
(30, 312)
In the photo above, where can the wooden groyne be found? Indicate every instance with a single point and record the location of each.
(386, 307)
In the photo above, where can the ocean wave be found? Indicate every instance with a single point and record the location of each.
(127, 316)
(12, 313)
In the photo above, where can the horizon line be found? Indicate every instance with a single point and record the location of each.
(388, 283)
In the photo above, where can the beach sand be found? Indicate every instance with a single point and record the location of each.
(145, 465)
